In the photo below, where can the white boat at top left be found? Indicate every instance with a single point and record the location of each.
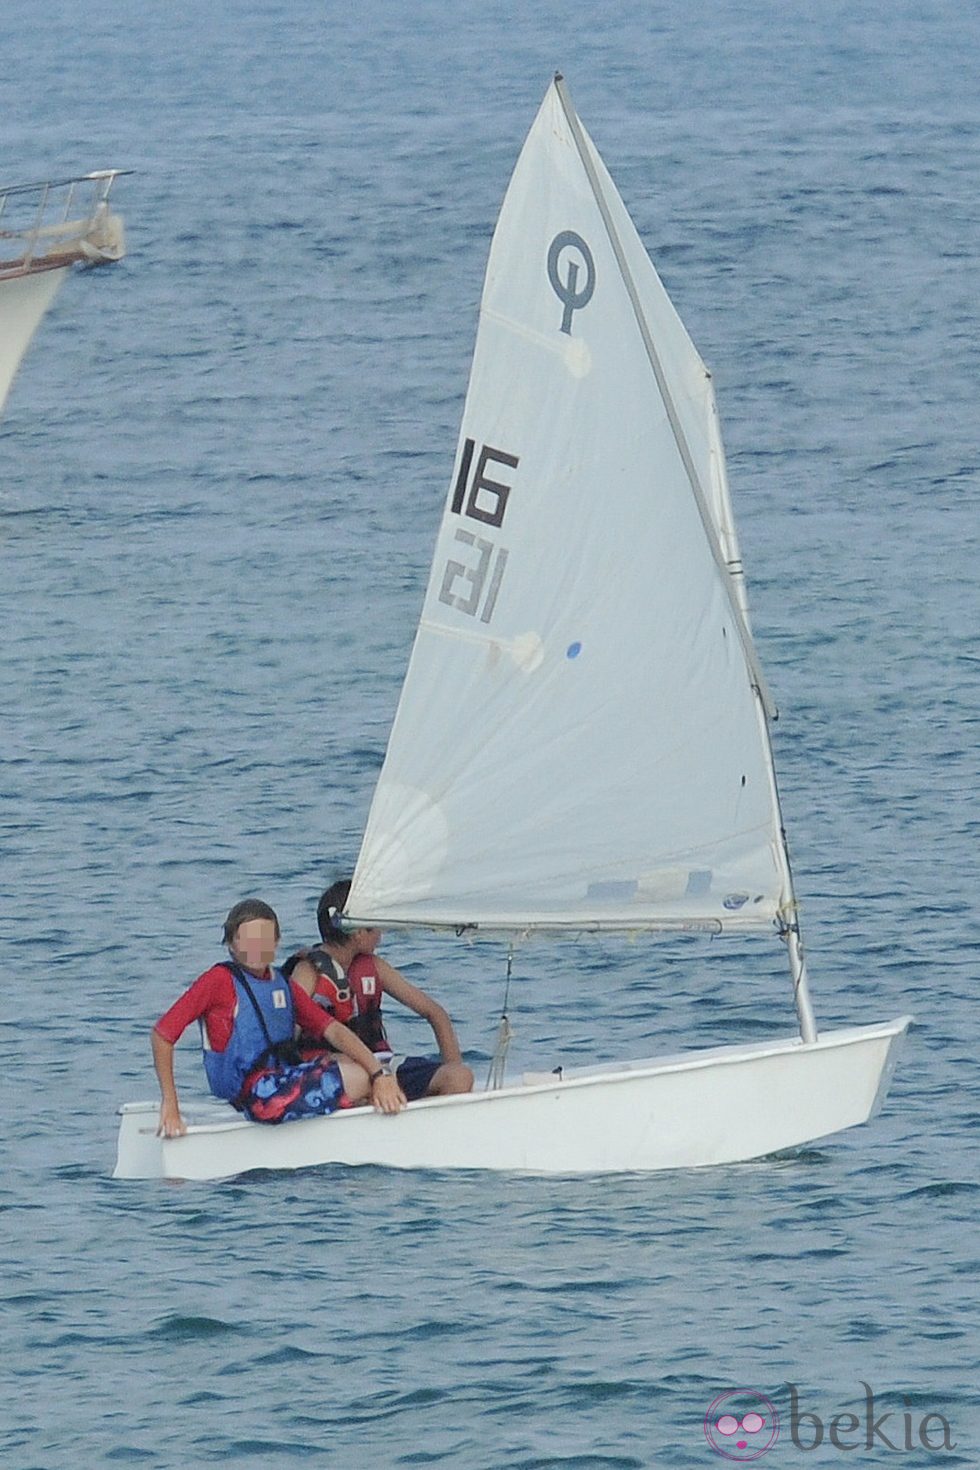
(45, 229)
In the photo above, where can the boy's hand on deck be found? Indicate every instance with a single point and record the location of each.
(172, 1124)
(387, 1096)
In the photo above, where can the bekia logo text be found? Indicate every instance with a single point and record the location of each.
(742, 1424)
(848, 1431)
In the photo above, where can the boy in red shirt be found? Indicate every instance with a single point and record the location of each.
(249, 1013)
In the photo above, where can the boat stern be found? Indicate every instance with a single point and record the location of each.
(139, 1152)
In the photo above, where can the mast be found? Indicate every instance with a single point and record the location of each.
(731, 572)
(789, 922)
(789, 916)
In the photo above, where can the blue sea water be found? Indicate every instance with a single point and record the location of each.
(221, 469)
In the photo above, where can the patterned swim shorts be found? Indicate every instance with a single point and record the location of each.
(282, 1093)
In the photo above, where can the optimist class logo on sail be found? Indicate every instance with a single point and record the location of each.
(571, 299)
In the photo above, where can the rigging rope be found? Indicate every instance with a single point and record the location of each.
(498, 1062)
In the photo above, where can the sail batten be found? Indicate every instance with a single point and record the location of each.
(580, 740)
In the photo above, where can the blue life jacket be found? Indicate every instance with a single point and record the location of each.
(249, 1043)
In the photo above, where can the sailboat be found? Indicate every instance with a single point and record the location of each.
(582, 739)
(45, 229)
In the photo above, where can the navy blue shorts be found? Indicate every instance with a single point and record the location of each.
(415, 1073)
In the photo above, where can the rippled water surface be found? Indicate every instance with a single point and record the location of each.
(221, 469)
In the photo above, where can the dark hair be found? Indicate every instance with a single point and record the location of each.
(249, 908)
(329, 910)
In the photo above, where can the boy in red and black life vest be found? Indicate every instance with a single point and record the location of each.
(249, 1015)
(344, 975)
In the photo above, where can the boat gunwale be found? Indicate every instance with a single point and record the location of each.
(15, 269)
(621, 1073)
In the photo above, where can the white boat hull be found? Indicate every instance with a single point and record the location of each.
(24, 299)
(720, 1106)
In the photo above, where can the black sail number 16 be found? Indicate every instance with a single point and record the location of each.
(477, 510)
(470, 586)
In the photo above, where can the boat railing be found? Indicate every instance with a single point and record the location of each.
(60, 222)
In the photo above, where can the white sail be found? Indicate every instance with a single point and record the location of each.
(579, 741)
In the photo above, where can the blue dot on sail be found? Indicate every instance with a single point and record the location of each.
(573, 650)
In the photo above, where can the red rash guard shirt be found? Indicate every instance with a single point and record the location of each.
(212, 998)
